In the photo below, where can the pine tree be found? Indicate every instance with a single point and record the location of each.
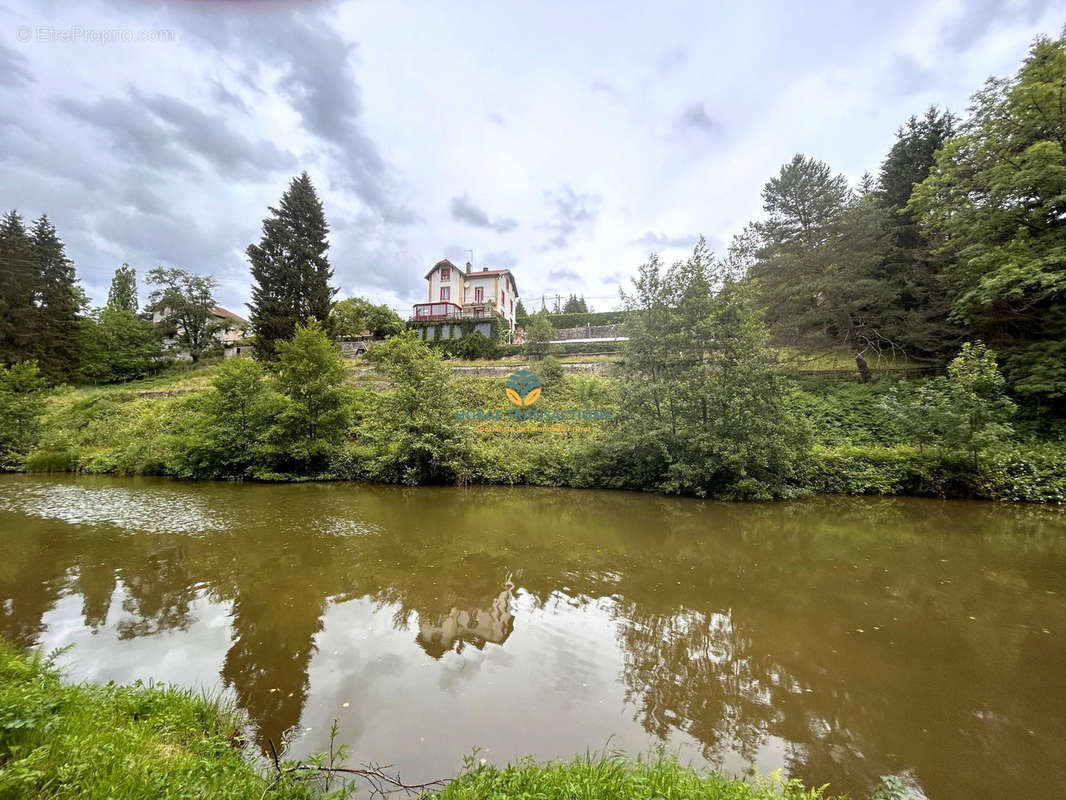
(123, 293)
(290, 268)
(18, 279)
(56, 341)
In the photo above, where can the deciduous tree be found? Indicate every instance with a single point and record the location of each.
(185, 301)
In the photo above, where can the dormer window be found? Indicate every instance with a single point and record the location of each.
(445, 273)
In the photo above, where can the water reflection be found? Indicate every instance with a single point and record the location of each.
(840, 639)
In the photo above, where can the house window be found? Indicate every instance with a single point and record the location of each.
(512, 308)
(445, 273)
(502, 301)
(479, 294)
(445, 293)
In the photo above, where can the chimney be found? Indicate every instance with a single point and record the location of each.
(484, 269)
(468, 266)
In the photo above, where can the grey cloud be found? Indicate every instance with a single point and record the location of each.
(173, 132)
(652, 239)
(465, 210)
(497, 118)
(981, 16)
(500, 258)
(671, 61)
(13, 70)
(609, 89)
(906, 76)
(613, 278)
(564, 275)
(570, 212)
(224, 96)
(695, 117)
(318, 81)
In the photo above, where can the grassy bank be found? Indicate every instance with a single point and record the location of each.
(854, 444)
(59, 740)
(83, 741)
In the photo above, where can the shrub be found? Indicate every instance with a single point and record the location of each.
(550, 371)
(21, 407)
(314, 419)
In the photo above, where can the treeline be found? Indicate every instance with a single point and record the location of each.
(40, 298)
(961, 235)
(45, 317)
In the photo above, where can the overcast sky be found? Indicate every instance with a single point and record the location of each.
(565, 140)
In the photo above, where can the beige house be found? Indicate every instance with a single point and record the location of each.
(454, 294)
(229, 328)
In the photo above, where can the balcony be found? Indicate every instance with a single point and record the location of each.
(438, 312)
(485, 309)
(434, 312)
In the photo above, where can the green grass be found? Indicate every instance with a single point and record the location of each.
(618, 778)
(59, 740)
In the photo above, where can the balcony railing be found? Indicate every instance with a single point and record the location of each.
(435, 312)
(431, 312)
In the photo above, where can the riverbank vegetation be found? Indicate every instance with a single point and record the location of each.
(59, 740)
(63, 740)
(951, 260)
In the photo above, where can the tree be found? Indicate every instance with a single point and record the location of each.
(357, 317)
(801, 201)
(912, 156)
(415, 429)
(185, 301)
(117, 346)
(538, 335)
(519, 310)
(575, 305)
(315, 418)
(817, 260)
(911, 265)
(994, 206)
(229, 436)
(58, 304)
(290, 269)
(18, 283)
(122, 296)
(702, 411)
(967, 410)
(21, 406)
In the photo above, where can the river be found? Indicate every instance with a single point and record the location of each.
(839, 639)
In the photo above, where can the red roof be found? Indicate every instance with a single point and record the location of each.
(473, 273)
(219, 311)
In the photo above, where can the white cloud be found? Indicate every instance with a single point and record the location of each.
(561, 140)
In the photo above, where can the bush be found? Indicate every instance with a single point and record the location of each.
(550, 371)
(413, 428)
(314, 419)
(21, 407)
(231, 423)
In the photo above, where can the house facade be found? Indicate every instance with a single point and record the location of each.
(229, 328)
(455, 294)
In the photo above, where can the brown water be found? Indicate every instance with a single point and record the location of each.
(837, 638)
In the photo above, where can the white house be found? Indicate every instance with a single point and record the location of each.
(454, 294)
(229, 328)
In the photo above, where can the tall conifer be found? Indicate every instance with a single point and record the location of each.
(290, 269)
(56, 341)
(18, 279)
